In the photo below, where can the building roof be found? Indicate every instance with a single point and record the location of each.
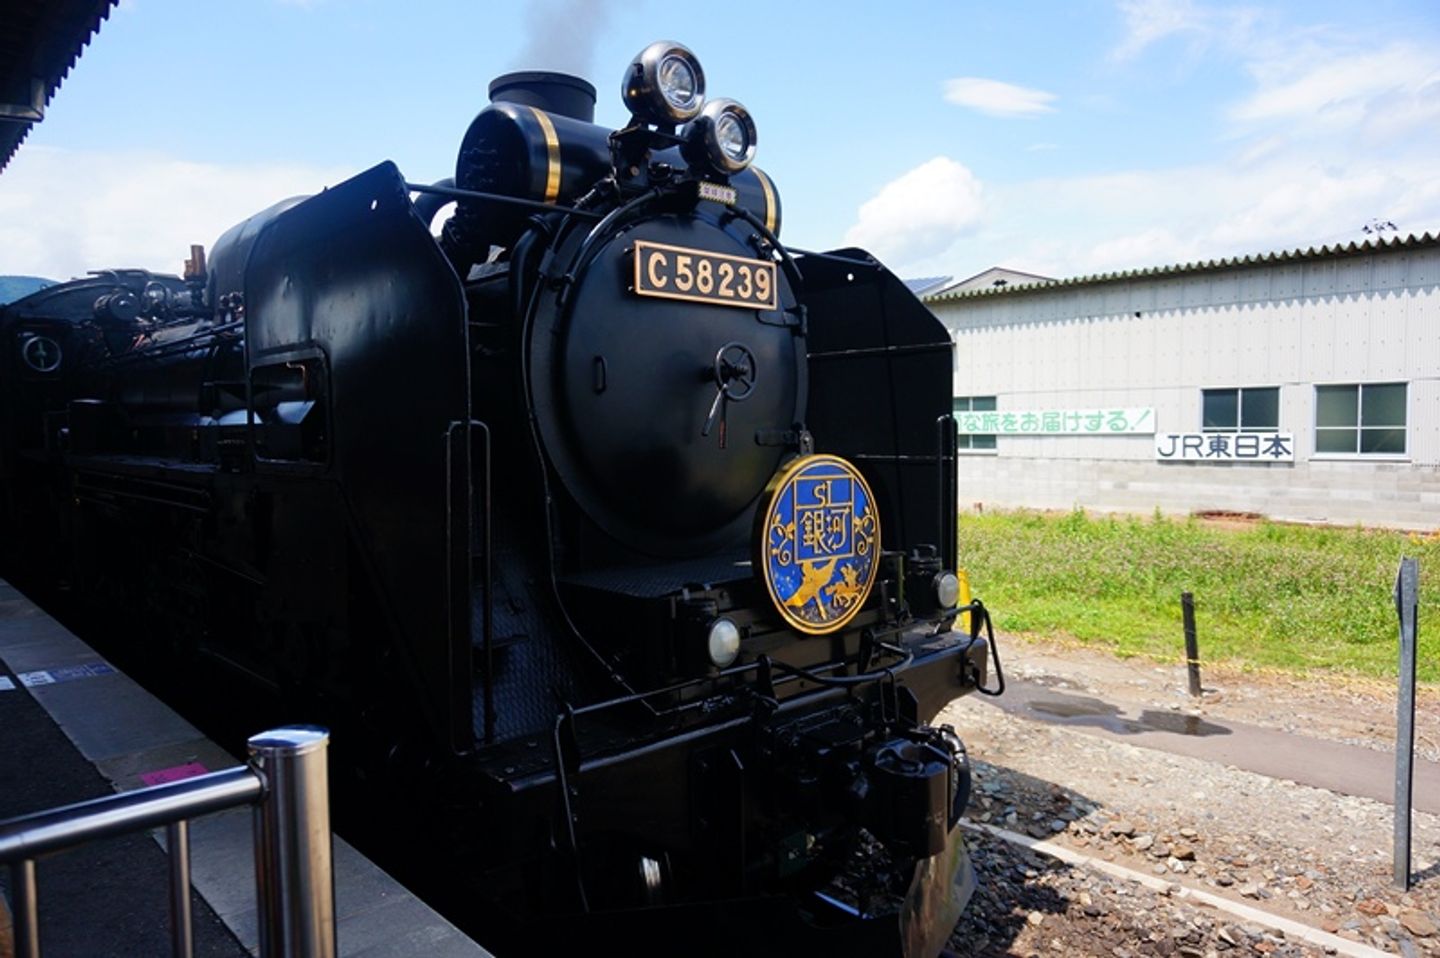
(925, 285)
(40, 40)
(1425, 240)
(995, 276)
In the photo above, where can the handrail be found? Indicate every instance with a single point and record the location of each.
(285, 780)
(59, 829)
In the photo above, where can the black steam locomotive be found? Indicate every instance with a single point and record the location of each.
(612, 533)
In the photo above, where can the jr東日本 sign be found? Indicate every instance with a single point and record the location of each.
(1057, 422)
(1225, 446)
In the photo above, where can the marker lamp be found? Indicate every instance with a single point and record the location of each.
(947, 590)
(723, 642)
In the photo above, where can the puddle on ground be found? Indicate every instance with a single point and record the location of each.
(1073, 706)
(1180, 724)
(1084, 710)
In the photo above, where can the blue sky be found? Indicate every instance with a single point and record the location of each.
(1058, 138)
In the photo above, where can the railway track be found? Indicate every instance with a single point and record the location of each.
(1084, 905)
(1102, 843)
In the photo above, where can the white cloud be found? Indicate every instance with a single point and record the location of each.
(1146, 247)
(1333, 130)
(1070, 226)
(919, 214)
(1260, 148)
(1283, 207)
(1148, 22)
(997, 98)
(63, 212)
(1307, 80)
(1344, 87)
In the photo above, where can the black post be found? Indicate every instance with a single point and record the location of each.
(1192, 645)
(1407, 601)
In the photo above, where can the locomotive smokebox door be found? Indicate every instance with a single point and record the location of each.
(653, 374)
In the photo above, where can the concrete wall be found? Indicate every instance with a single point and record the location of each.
(1388, 494)
(1158, 341)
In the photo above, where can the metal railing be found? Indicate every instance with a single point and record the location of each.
(285, 781)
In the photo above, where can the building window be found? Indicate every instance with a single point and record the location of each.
(964, 404)
(1367, 420)
(1241, 410)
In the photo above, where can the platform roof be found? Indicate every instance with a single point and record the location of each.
(40, 40)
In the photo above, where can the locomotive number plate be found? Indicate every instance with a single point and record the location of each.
(674, 272)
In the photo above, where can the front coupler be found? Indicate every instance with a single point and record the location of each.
(869, 764)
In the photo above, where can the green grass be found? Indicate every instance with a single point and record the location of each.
(1295, 598)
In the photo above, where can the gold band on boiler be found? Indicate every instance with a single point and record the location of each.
(552, 155)
(769, 197)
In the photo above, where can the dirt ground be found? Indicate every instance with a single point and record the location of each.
(1355, 711)
(1302, 853)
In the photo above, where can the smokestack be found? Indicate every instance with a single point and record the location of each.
(558, 93)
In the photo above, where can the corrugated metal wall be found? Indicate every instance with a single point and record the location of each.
(1158, 341)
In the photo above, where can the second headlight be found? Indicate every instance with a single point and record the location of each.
(722, 137)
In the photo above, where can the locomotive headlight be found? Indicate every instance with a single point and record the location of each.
(722, 137)
(723, 642)
(947, 590)
(664, 84)
(679, 83)
(732, 138)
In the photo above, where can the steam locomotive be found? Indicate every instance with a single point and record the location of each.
(611, 532)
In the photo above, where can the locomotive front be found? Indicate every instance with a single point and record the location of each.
(627, 529)
(745, 467)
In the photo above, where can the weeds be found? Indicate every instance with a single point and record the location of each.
(1297, 598)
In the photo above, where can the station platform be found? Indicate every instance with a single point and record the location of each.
(73, 727)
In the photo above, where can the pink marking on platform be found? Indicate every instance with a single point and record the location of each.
(173, 774)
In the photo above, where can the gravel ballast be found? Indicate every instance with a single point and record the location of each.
(1296, 852)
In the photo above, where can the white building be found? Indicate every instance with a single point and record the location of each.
(994, 277)
(1301, 385)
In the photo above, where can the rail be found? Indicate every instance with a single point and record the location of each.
(285, 780)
